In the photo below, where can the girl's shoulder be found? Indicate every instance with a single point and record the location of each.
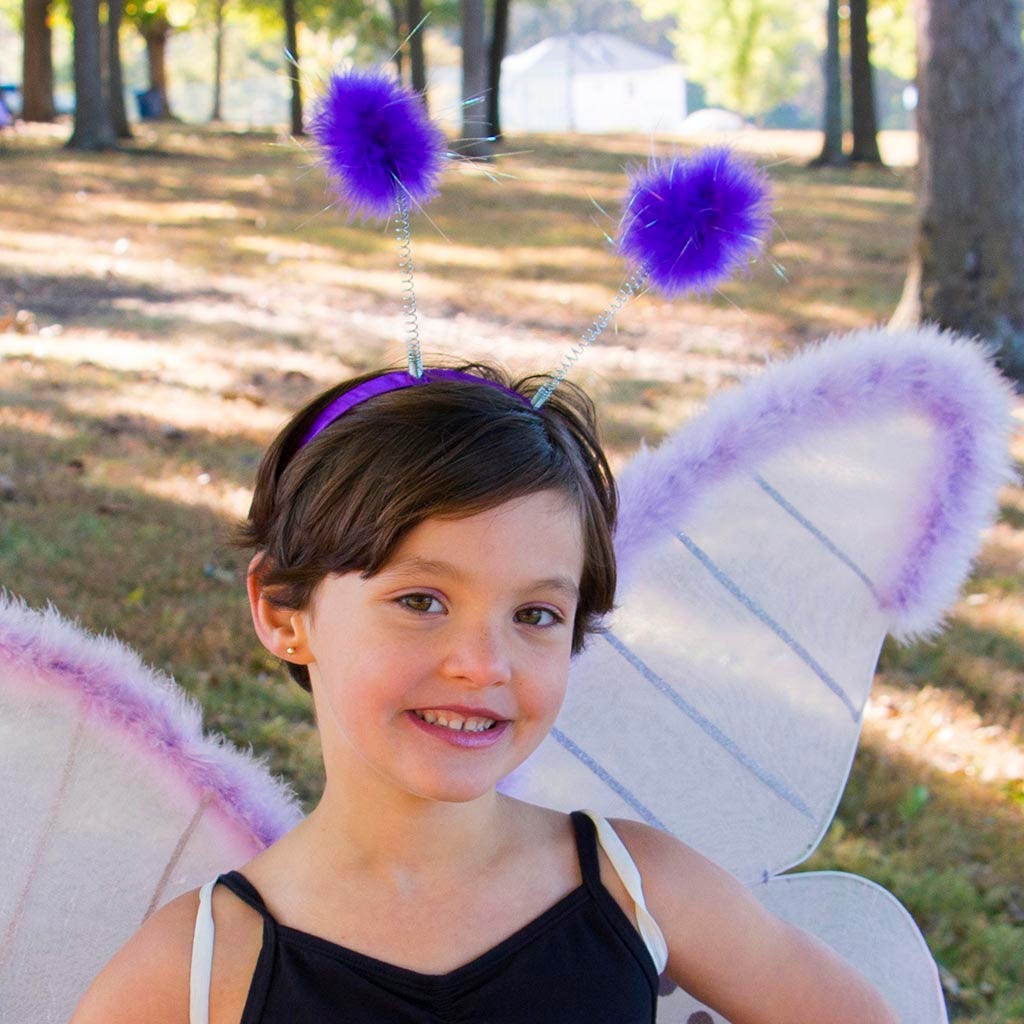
(682, 888)
(148, 978)
(727, 950)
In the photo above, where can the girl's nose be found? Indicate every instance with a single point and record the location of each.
(479, 654)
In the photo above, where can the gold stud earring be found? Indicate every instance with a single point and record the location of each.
(290, 650)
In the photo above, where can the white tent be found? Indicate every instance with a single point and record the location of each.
(591, 83)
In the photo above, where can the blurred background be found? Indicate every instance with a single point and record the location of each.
(174, 282)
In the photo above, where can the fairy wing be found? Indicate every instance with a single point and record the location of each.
(863, 923)
(765, 550)
(113, 802)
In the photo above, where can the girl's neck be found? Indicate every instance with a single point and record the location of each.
(405, 841)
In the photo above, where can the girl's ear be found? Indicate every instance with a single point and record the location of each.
(281, 630)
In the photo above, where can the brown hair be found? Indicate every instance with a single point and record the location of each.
(345, 500)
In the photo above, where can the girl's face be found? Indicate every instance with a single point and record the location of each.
(443, 672)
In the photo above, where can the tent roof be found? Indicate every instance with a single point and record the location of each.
(592, 53)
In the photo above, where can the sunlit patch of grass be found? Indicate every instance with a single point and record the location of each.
(944, 731)
(203, 287)
(563, 194)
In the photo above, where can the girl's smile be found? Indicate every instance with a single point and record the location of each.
(457, 733)
(443, 672)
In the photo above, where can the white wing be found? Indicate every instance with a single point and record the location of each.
(112, 802)
(765, 551)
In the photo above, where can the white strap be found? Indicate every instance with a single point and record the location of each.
(627, 871)
(202, 959)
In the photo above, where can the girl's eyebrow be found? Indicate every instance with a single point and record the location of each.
(414, 564)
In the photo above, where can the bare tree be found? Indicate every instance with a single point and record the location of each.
(94, 128)
(154, 24)
(37, 62)
(114, 77)
(474, 79)
(862, 88)
(831, 154)
(218, 58)
(417, 59)
(408, 20)
(401, 31)
(499, 43)
(967, 271)
(291, 32)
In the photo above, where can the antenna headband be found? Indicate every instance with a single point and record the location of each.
(394, 381)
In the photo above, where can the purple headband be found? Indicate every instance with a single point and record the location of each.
(393, 382)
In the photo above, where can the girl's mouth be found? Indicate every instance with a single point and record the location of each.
(453, 720)
(459, 730)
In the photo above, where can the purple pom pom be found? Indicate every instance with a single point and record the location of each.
(374, 135)
(691, 222)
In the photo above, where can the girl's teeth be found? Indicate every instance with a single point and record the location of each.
(456, 722)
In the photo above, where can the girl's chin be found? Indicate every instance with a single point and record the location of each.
(432, 783)
(441, 788)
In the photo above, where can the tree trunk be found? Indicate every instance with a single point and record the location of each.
(218, 58)
(832, 149)
(115, 79)
(417, 58)
(862, 87)
(37, 63)
(968, 270)
(156, 57)
(474, 80)
(401, 31)
(93, 128)
(291, 32)
(499, 43)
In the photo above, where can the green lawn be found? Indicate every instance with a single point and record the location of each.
(163, 309)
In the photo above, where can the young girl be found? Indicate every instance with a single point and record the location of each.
(430, 554)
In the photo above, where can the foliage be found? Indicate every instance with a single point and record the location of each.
(539, 19)
(893, 46)
(158, 17)
(744, 52)
(11, 13)
(370, 22)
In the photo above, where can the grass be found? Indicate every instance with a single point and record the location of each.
(177, 300)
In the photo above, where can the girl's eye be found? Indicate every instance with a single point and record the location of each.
(533, 617)
(418, 602)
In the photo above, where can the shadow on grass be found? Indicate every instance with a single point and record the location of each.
(1012, 516)
(142, 447)
(79, 298)
(965, 659)
(227, 203)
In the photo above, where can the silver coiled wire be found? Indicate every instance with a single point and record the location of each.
(409, 316)
(635, 283)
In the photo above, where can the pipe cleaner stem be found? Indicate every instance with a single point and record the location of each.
(634, 284)
(403, 234)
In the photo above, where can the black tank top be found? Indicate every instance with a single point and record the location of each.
(582, 960)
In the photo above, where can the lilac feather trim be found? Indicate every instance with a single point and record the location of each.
(119, 690)
(950, 380)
